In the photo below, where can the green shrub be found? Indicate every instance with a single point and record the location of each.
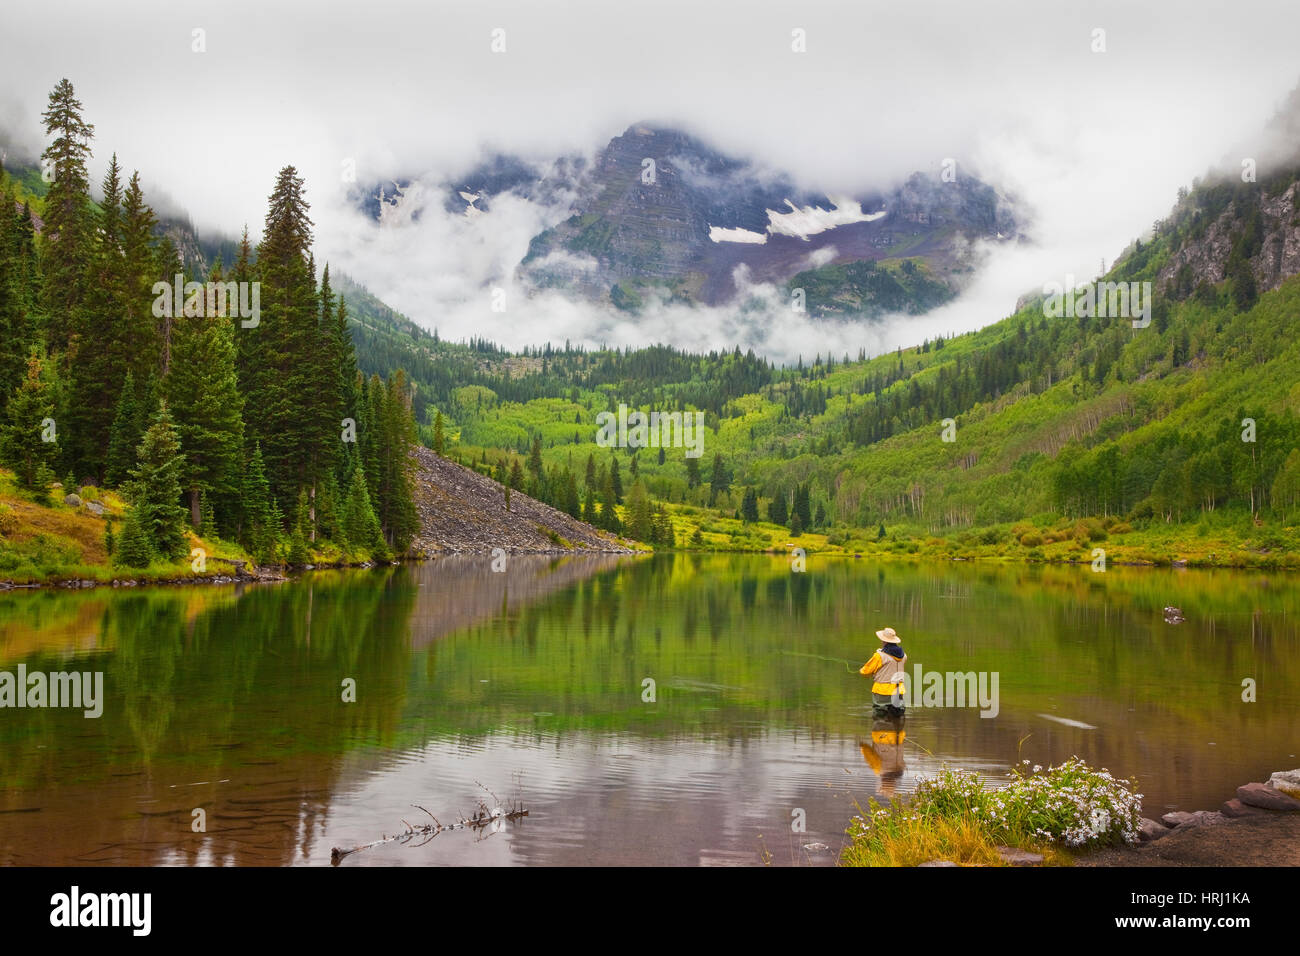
(1069, 806)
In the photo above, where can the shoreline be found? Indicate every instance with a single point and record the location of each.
(1259, 826)
(268, 574)
(273, 573)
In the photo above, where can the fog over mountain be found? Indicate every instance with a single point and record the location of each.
(1093, 145)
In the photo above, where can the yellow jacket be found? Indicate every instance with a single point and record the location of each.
(894, 670)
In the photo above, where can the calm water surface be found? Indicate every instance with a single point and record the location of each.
(531, 684)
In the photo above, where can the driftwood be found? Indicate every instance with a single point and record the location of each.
(485, 818)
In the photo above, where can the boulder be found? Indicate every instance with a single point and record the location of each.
(1286, 781)
(1018, 857)
(1149, 829)
(95, 508)
(1235, 808)
(1182, 819)
(1259, 795)
(937, 863)
(73, 501)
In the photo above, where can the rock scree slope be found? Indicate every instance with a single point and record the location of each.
(463, 511)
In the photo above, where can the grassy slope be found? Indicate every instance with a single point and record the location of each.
(58, 542)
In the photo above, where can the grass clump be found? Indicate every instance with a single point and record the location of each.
(953, 816)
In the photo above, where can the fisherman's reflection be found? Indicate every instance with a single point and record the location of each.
(884, 752)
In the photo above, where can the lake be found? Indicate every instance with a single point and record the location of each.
(677, 709)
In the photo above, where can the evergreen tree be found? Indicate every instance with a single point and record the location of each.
(22, 441)
(749, 506)
(438, 438)
(205, 402)
(720, 481)
(615, 479)
(572, 504)
(68, 229)
(638, 513)
(776, 510)
(801, 506)
(692, 472)
(359, 522)
(139, 273)
(14, 314)
(298, 554)
(257, 528)
(124, 435)
(285, 356)
(155, 486)
(135, 549)
(608, 500)
(396, 505)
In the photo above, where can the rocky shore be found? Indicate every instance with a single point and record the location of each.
(1259, 826)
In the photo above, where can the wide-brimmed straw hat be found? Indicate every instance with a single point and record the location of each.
(888, 636)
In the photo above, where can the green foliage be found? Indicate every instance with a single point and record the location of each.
(155, 487)
(22, 439)
(136, 549)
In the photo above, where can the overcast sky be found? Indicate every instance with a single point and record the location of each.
(1095, 143)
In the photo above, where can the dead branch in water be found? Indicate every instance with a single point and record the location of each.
(484, 817)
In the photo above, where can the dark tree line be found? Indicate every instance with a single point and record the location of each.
(252, 424)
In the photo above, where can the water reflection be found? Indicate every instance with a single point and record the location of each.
(533, 683)
(884, 751)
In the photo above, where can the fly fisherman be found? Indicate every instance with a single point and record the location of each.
(886, 669)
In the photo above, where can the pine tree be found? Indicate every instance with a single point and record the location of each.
(395, 504)
(359, 522)
(615, 479)
(22, 441)
(298, 553)
(258, 530)
(124, 435)
(535, 467)
(14, 316)
(135, 549)
(801, 506)
(68, 228)
(638, 513)
(749, 506)
(155, 486)
(140, 272)
(720, 481)
(572, 504)
(205, 402)
(288, 346)
(438, 439)
(589, 513)
(692, 472)
(776, 510)
(608, 499)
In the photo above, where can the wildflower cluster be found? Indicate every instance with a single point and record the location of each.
(1071, 805)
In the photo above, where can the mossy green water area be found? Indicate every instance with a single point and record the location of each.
(673, 708)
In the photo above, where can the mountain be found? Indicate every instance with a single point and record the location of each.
(658, 213)
(661, 213)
